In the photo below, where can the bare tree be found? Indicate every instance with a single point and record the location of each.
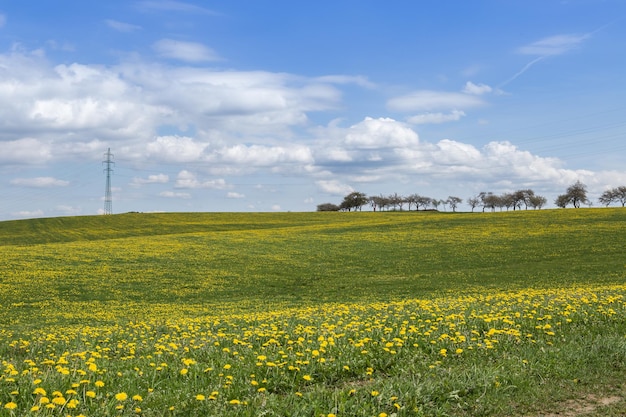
(575, 195)
(454, 202)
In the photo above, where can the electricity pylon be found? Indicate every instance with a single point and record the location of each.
(108, 198)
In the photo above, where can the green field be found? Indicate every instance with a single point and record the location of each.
(314, 314)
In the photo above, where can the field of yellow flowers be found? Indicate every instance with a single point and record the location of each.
(312, 314)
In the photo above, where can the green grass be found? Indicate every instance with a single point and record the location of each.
(90, 280)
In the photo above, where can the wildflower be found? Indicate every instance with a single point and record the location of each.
(184, 371)
(10, 406)
(99, 384)
(137, 410)
(137, 397)
(34, 408)
(90, 394)
(234, 402)
(200, 397)
(73, 403)
(59, 400)
(39, 391)
(121, 396)
(375, 393)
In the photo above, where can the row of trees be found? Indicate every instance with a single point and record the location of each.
(575, 195)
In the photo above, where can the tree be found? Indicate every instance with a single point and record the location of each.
(474, 202)
(576, 194)
(327, 207)
(355, 200)
(613, 195)
(454, 202)
(537, 201)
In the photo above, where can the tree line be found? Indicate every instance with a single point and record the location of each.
(575, 195)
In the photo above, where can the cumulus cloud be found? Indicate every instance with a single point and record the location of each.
(152, 179)
(334, 187)
(380, 133)
(25, 151)
(121, 26)
(256, 155)
(176, 149)
(184, 51)
(39, 182)
(186, 179)
(476, 89)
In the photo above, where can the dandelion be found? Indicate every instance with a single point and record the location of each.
(90, 394)
(34, 408)
(121, 396)
(234, 402)
(10, 406)
(137, 398)
(200, 397)
(375, 393)
(99, 384)
(58, 400)
(39, 391)
(307, 377)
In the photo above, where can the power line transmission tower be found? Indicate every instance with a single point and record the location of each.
(108, 198)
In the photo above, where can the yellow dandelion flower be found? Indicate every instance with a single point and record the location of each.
(121, 396)
(58, 400)
(200, 397)
(137, 397)
(34, 408)
(234, 402)
(10, 406)
(374, 393)
(39, 391)
(99, 384)
(90, 394)
(307, 377)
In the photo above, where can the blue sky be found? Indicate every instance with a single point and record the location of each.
(283, 105)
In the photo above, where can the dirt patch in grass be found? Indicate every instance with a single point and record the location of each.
(589, 405)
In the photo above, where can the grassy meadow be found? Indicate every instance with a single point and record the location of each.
(314, 314)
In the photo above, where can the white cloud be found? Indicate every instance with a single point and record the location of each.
(39, 182)
(334, 187)
(176, 149)
(184, 51)
(435, 118)
(25, 151)
(188, 179)
(152, 179)
(235, 195)
(256, 155)
(553, 45)
(476, 89)
(121, 26)
(172, 194)
(276, 207)
(380, 133)
(426, 100)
